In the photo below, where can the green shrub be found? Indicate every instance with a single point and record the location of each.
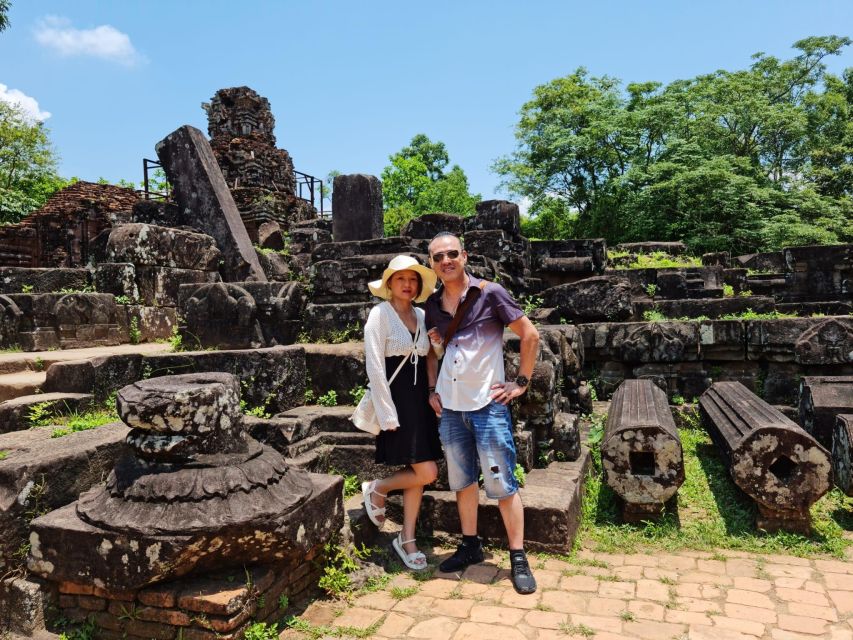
(329, 399)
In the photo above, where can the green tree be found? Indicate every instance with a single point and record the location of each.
(27, 164)
(5, 5)
(416, 183)
(728, 160)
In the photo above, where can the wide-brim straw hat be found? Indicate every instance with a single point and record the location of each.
(380, 289)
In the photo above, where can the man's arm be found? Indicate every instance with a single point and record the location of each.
(524, 329)
(432, 378)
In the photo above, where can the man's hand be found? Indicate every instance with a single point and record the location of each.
(505, 392)
(435, 403)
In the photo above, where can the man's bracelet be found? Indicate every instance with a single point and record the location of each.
(431, 389)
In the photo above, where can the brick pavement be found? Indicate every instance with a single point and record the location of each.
(656, 596)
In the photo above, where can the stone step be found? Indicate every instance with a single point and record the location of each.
(21, 383)
(14, 412)
(552, 508)
(13, 362)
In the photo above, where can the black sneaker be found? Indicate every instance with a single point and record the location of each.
(522, 578)
(462, 557)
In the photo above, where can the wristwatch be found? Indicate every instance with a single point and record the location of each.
(522, 381)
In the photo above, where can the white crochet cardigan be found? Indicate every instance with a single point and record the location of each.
(385, 335)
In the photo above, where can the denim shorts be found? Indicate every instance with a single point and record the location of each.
(481, 439)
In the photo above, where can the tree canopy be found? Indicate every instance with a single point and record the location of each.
(5, 5)
(27, 164)
(732, 160)
(416, 182)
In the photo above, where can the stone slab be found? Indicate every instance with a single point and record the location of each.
(206, 202)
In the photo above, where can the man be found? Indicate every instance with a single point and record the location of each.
(472, 397)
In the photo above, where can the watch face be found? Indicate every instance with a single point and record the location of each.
(522, 381)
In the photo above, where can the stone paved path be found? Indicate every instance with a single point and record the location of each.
(659, 596)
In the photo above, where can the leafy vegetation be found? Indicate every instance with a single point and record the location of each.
(757, 158)
(711, 512)
(261, 631)
(28, 163)
(134, 333)
(4, 453)
(340, 562)
(416, 182)
(328, 399)
(43, 414)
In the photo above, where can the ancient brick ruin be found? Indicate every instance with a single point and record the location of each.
(265, 303)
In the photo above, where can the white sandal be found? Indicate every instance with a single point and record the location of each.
(416, 561)
(367, 489)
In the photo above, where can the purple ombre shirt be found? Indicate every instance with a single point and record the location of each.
(473, 361)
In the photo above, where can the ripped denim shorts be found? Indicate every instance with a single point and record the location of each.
(480, 440)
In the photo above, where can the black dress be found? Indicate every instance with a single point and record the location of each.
(416, 439)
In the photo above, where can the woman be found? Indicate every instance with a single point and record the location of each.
(395, 334)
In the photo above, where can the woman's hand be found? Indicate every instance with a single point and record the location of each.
(435, 403)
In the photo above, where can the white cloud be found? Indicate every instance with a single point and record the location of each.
(104, 41)
(28, 105)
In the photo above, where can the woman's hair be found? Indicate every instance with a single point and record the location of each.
(420, 281)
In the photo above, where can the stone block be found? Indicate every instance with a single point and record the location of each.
(357, 203)
(14, 413)
(200, 191)
(148, 245)
(495, 215)
(429, 225)
(14, 279)
(592, 299)
(117, 278)
(41, 473)
(158, 286)
(822, 398)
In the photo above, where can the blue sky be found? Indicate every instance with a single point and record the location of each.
(352, 82)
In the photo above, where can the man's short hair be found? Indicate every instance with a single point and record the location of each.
(446, 234)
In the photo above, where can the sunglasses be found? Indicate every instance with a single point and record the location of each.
(438, 257)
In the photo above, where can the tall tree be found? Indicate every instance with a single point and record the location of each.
(5, 5)
(416, 182)
(730, 160)
(27, 164)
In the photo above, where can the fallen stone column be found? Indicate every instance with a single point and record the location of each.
(775, 462)
(641, 451)
(842, 436)
(822, 398)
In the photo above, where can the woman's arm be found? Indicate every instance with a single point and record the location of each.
(375, 333)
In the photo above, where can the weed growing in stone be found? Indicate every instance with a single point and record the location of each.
(651, 290)
(38, 363)
(329, 399)
(357, 393)
(261, 631)
(283, 602)
(322, 631)
(26, 288)
(340, 562)
(401, 593)
(577, 630)
(728, 291)
(4, 453)
(133, 331)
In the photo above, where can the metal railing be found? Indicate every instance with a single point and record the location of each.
(308, 188)
(148, 168)
(312, 187)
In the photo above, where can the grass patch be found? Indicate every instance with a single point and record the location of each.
(654, 260)
(82, 421)
(322, 631)
(401, 593)
(709, 513)
(577, 630)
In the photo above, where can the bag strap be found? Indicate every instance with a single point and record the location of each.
(460, 312)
